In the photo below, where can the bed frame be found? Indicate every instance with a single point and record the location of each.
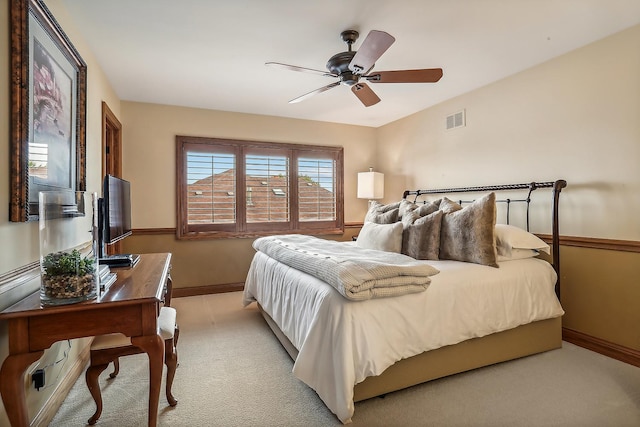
(524, 340)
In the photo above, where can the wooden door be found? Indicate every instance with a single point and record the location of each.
(111, 154)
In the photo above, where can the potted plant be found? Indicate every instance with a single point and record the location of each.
(68, 277)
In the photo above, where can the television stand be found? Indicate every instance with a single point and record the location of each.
(120, 260)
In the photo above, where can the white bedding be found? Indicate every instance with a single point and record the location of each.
(342, 342)
(357, 273)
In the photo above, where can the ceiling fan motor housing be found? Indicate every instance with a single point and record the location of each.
(339, 64)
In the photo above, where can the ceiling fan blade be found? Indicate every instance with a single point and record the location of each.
(301, 69)
(372, 48)
(365, 94)
(429, 75)
(314, 92)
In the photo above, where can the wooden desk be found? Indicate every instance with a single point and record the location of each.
(130, 307)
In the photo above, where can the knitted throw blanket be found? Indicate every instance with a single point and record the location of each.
(355, 272)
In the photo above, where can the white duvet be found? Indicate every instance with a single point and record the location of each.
(342, 342)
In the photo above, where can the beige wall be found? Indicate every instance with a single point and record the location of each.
(20, 240)
(149, 132)
(600, 295)
(576, 117)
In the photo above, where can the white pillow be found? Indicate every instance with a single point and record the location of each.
(517, 254)
(382, 237)
(509, 237)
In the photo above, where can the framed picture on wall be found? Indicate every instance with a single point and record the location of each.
(48, 109)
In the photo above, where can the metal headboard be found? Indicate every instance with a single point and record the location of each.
(557, 188)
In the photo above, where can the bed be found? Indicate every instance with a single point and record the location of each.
(350, 346)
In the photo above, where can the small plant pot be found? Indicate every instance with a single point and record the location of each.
(67, 278)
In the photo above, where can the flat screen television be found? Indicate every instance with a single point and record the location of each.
(114, 210)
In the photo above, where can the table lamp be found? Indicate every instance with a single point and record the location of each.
(370, 185)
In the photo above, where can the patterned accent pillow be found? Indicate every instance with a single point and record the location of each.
(405, 207)
(382, 214)
(448, 206)
(468, 234)
(421, 235)
(422, 209)
(427, 208)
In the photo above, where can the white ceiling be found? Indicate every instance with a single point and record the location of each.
(211, 53)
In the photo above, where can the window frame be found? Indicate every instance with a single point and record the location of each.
(241, 228)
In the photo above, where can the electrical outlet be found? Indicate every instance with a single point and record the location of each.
(38, 379)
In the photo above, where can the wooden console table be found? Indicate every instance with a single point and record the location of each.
(130, 306)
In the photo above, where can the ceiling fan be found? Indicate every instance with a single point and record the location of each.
(351, 67)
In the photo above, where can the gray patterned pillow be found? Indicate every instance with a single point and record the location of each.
(468, 234)
(427, 208)
(421, 235)
(382, 214)
(405, 207)
(448, 206)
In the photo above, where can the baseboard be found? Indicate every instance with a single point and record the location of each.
(50, 408)
(604, 347)
(205, 290)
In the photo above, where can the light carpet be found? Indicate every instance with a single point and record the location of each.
(233, 372)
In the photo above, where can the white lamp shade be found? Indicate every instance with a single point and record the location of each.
(370, 185)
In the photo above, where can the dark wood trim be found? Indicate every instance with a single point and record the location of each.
(152, 231)
(156, 231)
(111, 155)
(206, 290)
(596, 243)
(604, 347)
(353, 224)
(583, 242)
(111, 142)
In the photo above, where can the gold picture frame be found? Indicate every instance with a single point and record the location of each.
(48, 109)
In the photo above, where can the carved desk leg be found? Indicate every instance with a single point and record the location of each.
(12, 386)
(91, 377)
(171, 360)
(169, 291)
(153, 345)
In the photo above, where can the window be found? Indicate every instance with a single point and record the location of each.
(232, 188)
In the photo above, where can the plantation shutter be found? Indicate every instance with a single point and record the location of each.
(211, 188)
(267, 188)
(316, 189)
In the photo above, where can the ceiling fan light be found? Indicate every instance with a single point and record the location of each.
(349, 79)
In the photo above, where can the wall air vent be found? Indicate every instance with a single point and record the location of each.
(456, 120)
